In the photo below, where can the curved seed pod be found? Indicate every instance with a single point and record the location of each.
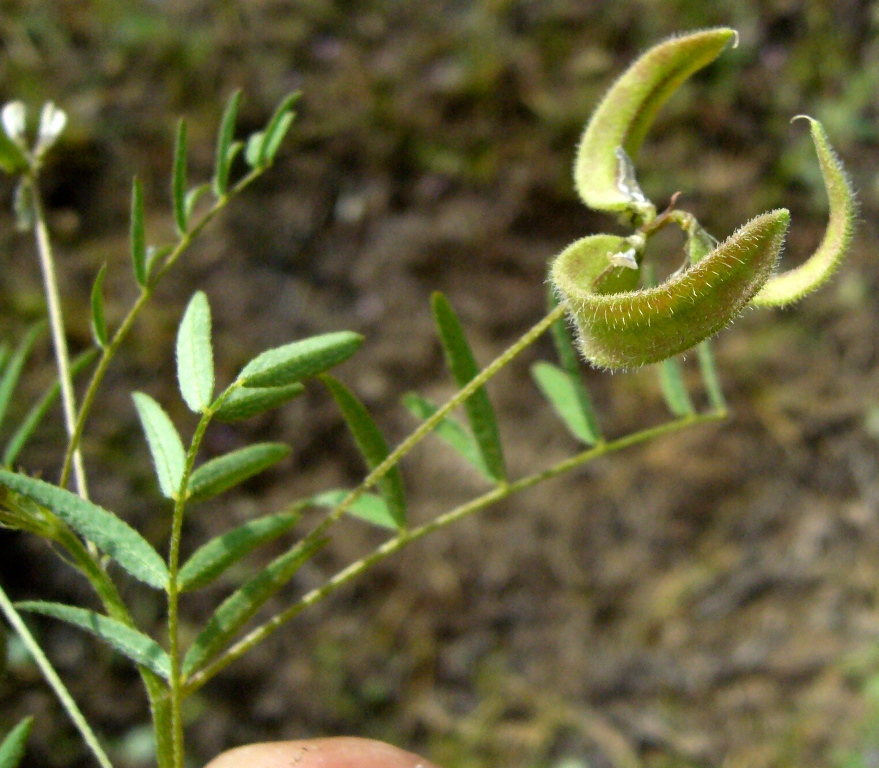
(637, 327)
(794, 284)
(603, 174)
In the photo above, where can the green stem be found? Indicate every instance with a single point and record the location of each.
(59, 335)
(394, 458)
(146, 293)
(157, 691)
(391, 546)
(61, 692)
(174, 593)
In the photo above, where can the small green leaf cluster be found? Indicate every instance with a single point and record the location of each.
(262, 147)
(621, 322)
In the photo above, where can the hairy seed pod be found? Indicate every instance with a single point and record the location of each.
(631, 328)
(603, 174)
(795, 283)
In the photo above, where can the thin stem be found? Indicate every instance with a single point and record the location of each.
(146, 293)
(70, 706)
(394, 458)
(59, 336)
(391, 546)
(157, 691)
(174, 593)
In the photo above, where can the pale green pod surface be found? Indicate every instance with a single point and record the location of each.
(637, 327)
(589, 260)
(792, 285)
(624, 115)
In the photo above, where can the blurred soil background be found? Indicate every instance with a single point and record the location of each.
(707, 600)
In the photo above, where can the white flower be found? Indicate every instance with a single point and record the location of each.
(14, 118)
(52, 122)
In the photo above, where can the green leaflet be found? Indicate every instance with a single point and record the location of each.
(478, 408)
(166, 448)
(710, 377)
(635, 327)
(368, 507)
(237, 609)
(602, 174)
(12, 748)
(129, 642)
(113, 535)
(12, 372)
(225, 136)
(450, 430)
(211, 559)
(372, 445)
(137, 235)
(12, 159)
(224, 472)
(193, 196)
(178, 179)
(562, 390)
(300, 360)
(99, 323)
(570, 363)
(39, 410)
(245, 402)
(195, 358)
(674, 389)
(277, 129)
(254, 147)
(793, 285)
